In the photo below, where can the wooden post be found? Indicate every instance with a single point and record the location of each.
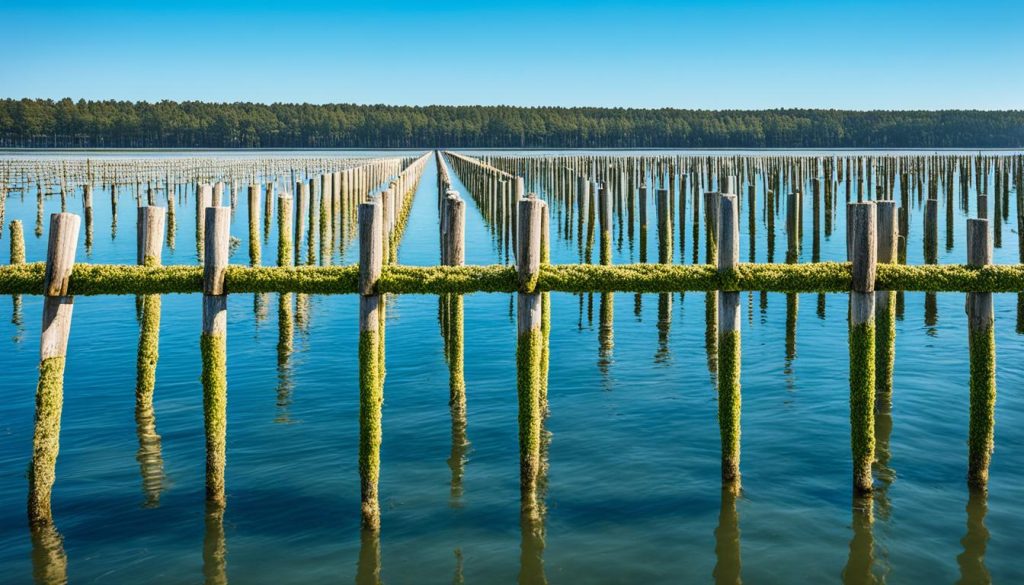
(529, 341)
(213, 345)
(254, 223)
(862, 341)
(371, 382)
(204, 199)
(729, 342)
(931, 231)
(87, 209)
(605, 219)
(301, 213)
(17, 257)
(982, 345)
(885, 303)
(643, 222)
(53, 344)
(284, 230)
(454, 209)
(664, 227)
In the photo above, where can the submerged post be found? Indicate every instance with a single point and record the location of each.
(213, 346)
(729, 342)
(371, 383)
(53, 345)
(862, 341)
(982, 345)
(529, 341)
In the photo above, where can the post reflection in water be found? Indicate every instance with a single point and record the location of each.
(663, 355)
(975, 540)
(792, 310)
(368, 565)
(450, 315)
(215, 548)
(727, 540)
(532, 515)
(860, 562)
(605, 333)
(285, 333)
(49, 562)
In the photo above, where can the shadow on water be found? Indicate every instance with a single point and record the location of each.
(975, 541)
(49, 562)
(727, 541)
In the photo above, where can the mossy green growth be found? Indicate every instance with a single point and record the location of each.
(950, 278)
(254, 245)
(447, 279)
(17, 243)
(106, 279)
(455, 344)
(711, 330)
(528, 358)
(45, 439)
(148, 354)
(22, 278)
(215, 397)
(862, 402)
(299, 279)
(885, 344)
(983, 403)
(545, 354)
(729, 403)
(371, 398)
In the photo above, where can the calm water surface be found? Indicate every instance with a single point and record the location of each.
(633, 482)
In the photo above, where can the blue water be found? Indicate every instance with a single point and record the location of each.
(633, 490)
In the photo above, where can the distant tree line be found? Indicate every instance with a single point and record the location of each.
(168, 124)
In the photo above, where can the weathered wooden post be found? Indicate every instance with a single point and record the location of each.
(982, 345)
(17, 257)
(863, 256)
(204, 199)
(712, 207)
(454, 209)
(301, 214)
(529, 342)
(664, 227)
(151, 236)
(605, 220)
(729, 341)
(53, 344)
(643, 222)
(371, 388)
(254, 223)
(885, 302)
(87, 210)
(213, 345)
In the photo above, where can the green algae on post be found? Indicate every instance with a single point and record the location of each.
(46, 439)
(980, 322)
(862, 399)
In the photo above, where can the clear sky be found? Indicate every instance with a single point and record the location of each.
(686, 54)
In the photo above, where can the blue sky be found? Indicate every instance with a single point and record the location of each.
(687, 54)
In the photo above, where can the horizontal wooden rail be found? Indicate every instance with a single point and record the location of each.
(821, 277)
